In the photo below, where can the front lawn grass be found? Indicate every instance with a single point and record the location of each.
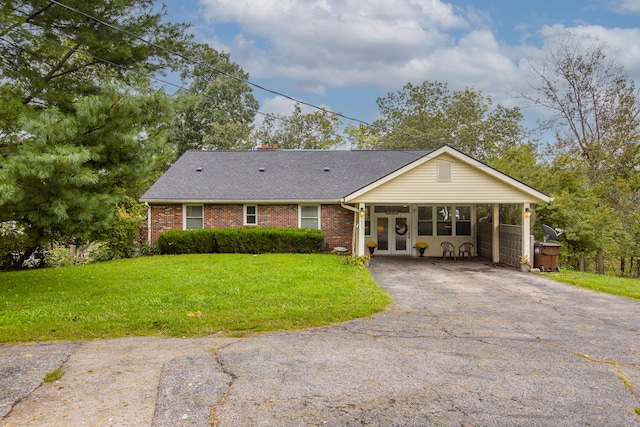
(184, 295)
(624, 286)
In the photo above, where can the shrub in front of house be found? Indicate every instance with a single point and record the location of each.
(241, 240)
(176, 242)
(269, 240)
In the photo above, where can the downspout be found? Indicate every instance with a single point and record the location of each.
(355, 218)
(351, 208)
(358, 238)
(148, 222)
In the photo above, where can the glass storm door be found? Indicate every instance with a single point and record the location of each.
(392, 234)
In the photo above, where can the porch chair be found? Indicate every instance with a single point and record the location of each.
(448, 248)
(465, 248)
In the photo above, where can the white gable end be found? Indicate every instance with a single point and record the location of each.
(447, 177)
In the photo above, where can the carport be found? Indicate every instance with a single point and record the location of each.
(445, 196)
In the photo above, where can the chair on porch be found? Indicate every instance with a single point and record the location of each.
(465, 248)
(448, 248)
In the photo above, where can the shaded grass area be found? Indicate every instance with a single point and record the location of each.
(624, 286)
(184, 295)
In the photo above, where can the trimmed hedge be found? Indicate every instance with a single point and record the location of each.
(187, 242)
(249, 240)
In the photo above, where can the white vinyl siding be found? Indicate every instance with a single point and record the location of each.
(468, 184)
(309, 216)
(193, 217)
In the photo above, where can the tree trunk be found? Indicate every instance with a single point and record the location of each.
(622, 260)
(600, 263)
(581, 268)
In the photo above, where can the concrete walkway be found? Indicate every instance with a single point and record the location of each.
(464, 344)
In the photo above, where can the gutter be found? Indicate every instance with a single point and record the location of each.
(348, 207)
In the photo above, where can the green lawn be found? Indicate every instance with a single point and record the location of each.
(627, 287)
(186, 295)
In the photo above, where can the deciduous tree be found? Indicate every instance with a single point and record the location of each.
(217, 109)
(317, 130)
(429, 115)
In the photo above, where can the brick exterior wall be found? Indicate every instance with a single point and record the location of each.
(336, 222)
(165, 217)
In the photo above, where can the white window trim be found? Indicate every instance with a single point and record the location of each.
(300, 215)
(184, 214)
(244, 215)
(434, 219)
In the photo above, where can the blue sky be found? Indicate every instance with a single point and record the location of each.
(344, 54)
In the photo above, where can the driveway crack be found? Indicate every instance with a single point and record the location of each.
(213, 418)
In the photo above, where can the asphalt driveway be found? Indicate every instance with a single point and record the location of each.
(464, 344)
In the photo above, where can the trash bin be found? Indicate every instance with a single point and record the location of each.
(545, 256)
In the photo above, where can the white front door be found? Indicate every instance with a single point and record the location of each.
(392, 233)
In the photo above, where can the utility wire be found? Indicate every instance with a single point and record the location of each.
(224, 73)
(178, 86)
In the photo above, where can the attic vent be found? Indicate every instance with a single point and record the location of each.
(444, 171)
(261, 169)
(327, 169)
(198, 169)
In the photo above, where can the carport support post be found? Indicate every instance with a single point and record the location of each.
(360, 236)
(526, 231)
(495, 247)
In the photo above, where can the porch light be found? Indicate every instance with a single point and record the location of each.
(361, 212)
(527, 212)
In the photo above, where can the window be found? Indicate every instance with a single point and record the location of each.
(463, 221)
(193, 217)
(309, 216)
(444, 221)
(367, 221)
(425, 221)
(250, 215)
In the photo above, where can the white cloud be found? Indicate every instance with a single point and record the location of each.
(383, 44)
(627, 6)
(280, 106)
(336, 37)
(624, 43)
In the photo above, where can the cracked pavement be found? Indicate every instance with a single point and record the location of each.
(463, 344)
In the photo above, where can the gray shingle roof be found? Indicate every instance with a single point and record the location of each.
(275, 175)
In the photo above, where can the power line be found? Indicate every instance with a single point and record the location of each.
(224, 73)
(178, 86)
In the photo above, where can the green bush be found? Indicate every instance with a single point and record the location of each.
(102, 253)
(269, 240)
(12, 241)
(59, 257)
(175, 242)
(241, 240)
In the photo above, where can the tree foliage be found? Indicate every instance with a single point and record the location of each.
(595, 115)
(594, 106)
(79, 123)
(217, 109)
(317, 130)
(429, 115)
